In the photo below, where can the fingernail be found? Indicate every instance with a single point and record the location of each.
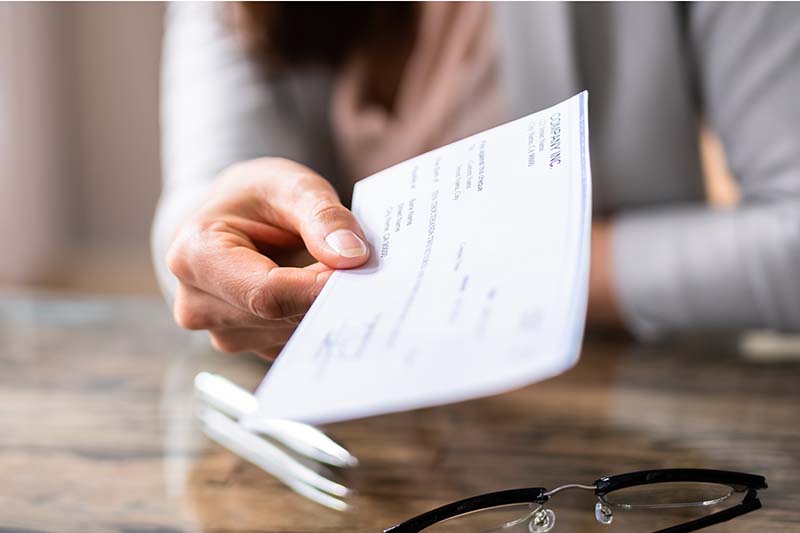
(322, 279)
(346, 243)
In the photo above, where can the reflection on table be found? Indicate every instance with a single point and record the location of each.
(97, 431)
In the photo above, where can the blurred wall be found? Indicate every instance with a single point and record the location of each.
(33, 154)
(78, 143)
(116, 50)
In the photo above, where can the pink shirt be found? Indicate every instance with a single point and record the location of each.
(449, 90)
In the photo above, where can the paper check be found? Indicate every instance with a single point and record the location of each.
(477, 281)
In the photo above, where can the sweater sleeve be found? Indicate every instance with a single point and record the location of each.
(219, 107)
(694, 267)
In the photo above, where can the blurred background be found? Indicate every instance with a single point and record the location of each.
(79, 145)
(79, 158)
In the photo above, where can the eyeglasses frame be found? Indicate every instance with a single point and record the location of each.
(603, 486)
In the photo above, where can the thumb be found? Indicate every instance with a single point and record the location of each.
(329, 230)
(308, 203)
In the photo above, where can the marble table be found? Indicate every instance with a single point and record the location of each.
(97, 433)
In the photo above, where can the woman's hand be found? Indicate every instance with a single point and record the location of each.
(226, 257)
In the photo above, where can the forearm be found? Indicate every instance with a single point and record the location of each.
(697, 268)
(603, 311)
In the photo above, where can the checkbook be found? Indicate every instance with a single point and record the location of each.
(477, 280)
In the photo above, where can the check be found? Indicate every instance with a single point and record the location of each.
(477, 282)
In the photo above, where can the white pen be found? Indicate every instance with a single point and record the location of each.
(306, 440)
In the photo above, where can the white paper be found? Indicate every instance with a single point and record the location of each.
(477, 282)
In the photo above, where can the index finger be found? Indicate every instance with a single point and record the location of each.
(298, 199)
(229, 267)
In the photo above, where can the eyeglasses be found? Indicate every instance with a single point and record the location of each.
(519, 510)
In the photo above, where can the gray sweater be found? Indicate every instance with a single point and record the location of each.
(652, 70)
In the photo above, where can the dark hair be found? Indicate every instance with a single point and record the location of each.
(325, 33)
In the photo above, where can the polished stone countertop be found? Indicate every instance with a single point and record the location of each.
(97, 433)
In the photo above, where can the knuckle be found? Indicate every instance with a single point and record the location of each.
(208, 230)
(177, 262)
(184, 253)
(188, 317)
(317, 197)
(261, 302)
(282, 297)
(227, 321)
(195, 249)
(326, 212)
(225, 343)
(272, 299)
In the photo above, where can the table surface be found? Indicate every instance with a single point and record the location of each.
(96, 430)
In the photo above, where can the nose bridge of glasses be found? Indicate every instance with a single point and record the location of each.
(571, 486)
(542, 519)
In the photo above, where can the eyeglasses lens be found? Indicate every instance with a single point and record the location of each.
(670, 495)
(515, 518)
(662, 505)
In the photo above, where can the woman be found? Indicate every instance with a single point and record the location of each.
(270, 110)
